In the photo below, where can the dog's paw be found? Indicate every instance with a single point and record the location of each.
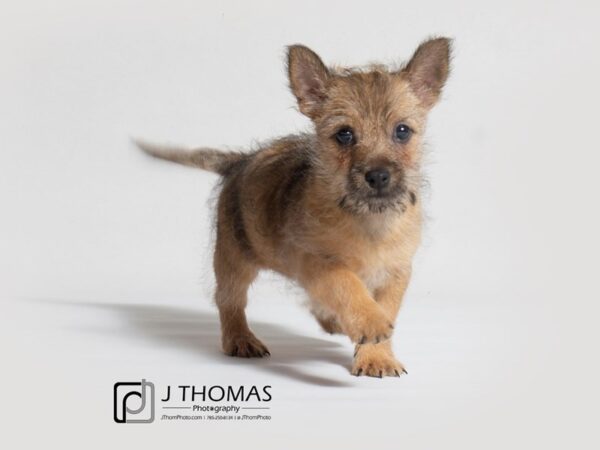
(370, 326)
(245, 346)
(376, 364)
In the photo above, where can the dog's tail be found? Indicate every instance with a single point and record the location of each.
(210, 159)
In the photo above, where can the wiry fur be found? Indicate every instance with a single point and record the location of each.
(301, 206)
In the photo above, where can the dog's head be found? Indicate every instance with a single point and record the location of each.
(369, 123)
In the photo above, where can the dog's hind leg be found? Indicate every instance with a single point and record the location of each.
(234, 276)
(235, 269)
(328, 321)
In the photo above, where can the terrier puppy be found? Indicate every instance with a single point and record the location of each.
(336, 210)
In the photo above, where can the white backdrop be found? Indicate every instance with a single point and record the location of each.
(105, 255)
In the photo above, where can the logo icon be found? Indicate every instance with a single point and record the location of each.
(134, 402)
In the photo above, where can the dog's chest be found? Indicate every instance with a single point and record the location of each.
(383, 259)
(376, 270)
(375, 276)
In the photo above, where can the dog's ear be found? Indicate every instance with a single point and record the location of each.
(428, 70)
(308, 79)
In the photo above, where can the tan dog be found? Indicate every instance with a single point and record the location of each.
(336, 210)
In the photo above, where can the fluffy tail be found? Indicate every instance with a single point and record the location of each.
(209, 159)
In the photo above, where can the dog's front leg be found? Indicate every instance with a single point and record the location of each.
(377, 360)
(341, 291)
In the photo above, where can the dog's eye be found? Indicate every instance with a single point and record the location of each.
(402, 133)
(345, 136)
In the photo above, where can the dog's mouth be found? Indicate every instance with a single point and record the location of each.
(376, 202)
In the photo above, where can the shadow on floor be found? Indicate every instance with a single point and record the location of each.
(199, 333)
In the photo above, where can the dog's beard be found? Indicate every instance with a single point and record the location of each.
(359, 201)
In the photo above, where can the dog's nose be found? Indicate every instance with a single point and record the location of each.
(378, 178)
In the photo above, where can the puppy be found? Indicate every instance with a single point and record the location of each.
(337, 210)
